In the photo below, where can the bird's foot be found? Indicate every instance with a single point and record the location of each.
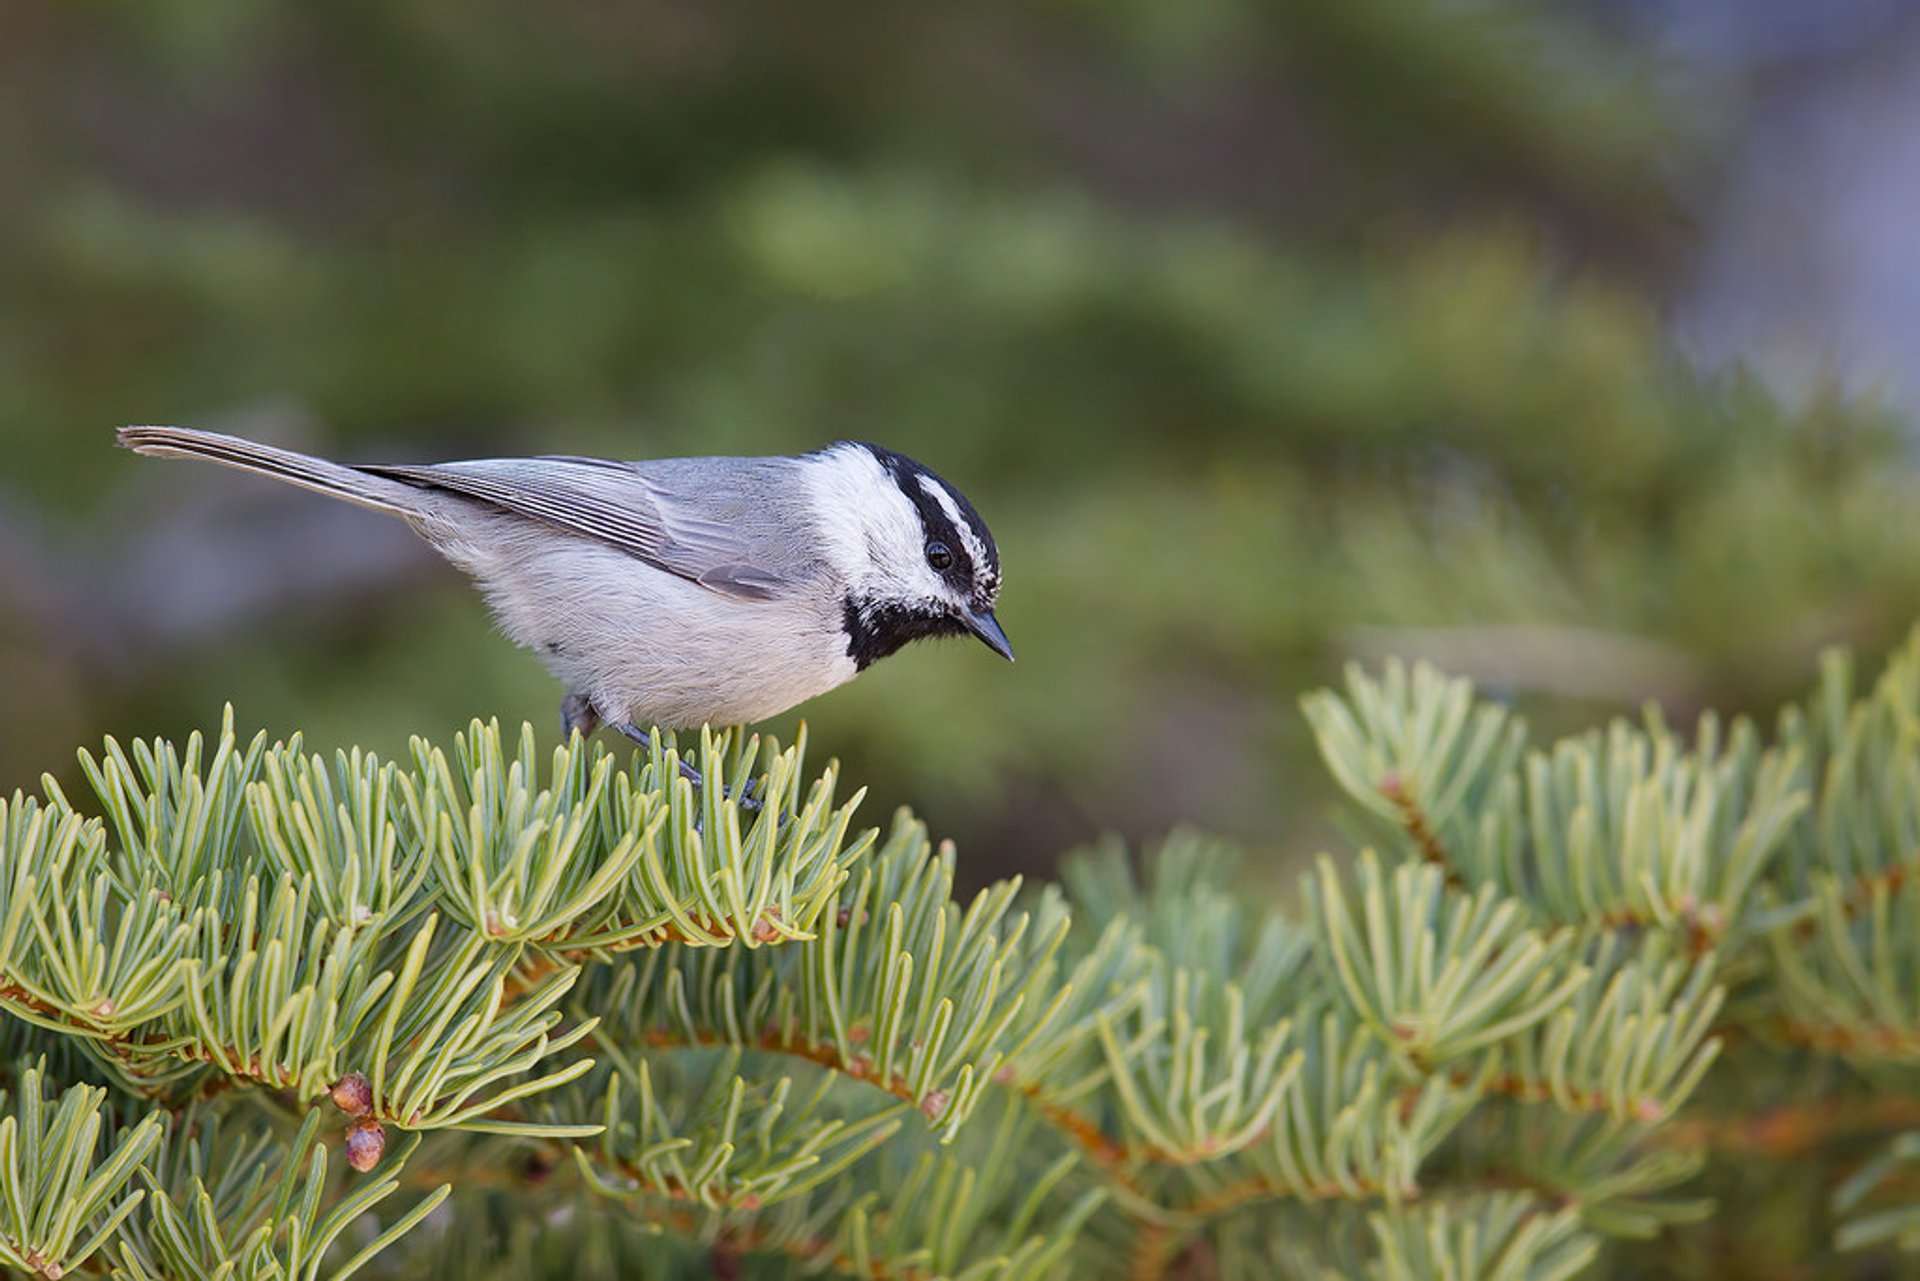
(747, 799)
(577, 716)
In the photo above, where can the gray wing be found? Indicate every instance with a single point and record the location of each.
(668, 519)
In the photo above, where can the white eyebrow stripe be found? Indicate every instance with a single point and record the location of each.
(976, 550)
(938, 492)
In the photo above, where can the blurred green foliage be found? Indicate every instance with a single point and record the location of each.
(1265, 335)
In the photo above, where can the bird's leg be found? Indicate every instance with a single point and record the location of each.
(748, 801)
(645, 739)
(577, 715)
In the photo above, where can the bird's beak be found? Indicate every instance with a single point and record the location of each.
(983, 624)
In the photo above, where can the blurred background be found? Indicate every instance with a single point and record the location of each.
(1570, 344)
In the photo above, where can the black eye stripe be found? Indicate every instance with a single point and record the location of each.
(940, 532)
(937, 526)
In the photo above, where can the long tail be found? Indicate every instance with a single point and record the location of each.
(317, 474)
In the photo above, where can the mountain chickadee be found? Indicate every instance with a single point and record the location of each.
(681, 591)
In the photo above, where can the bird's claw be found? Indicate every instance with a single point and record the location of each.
(748, 800)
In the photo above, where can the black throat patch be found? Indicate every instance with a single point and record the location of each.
(876, 629)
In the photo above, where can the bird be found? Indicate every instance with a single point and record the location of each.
(680, 592)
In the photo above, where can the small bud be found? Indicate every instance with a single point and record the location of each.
(933, 1103)
(538, 1165)
(1392, 787)
(353, 1094)
(366, 1141)
(765, 931)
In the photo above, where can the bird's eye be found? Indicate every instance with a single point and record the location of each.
(938, 554)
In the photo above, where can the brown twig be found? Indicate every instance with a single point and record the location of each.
(1705, 925)
(1795, 1129)
(550, 954)
(1833, 1038)
(1155, 1246)
(1413, 819)
(19, 996)
(1520, 1089)
(1860, 891)
(826, 1054)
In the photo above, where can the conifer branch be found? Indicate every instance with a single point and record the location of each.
(744, 1026)
(901, 988)
(63, 1179)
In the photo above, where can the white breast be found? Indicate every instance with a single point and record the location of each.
(645, 646)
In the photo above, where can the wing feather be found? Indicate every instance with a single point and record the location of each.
(612, 503)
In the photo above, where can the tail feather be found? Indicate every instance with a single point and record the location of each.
(317, 474)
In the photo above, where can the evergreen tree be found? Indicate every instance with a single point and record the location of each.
(1598, 1007)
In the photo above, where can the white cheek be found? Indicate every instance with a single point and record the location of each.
(925, 582)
